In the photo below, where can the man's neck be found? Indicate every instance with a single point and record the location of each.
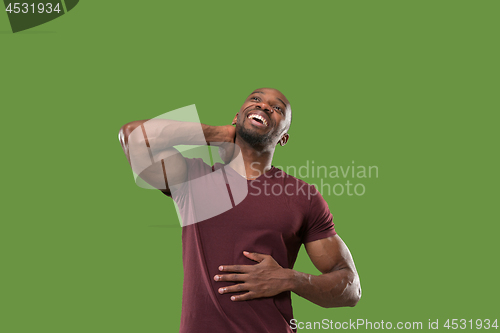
(253, 161)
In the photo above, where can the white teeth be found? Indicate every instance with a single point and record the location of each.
(256, 116)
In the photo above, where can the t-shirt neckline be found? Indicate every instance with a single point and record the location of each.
(269, 173)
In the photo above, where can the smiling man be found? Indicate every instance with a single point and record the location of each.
(238, 261)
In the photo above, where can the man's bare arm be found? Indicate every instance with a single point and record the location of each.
(148, 145)
(337, 286)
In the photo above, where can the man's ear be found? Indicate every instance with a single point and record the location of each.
(235, 119)
(284, 139)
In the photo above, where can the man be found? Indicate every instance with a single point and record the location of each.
(238, 262)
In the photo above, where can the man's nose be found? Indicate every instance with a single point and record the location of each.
(265, 107)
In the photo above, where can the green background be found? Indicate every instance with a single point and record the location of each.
(408, 86)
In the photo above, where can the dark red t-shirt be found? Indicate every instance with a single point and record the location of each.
(278, 214)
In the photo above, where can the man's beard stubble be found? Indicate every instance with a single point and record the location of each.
(252, 138)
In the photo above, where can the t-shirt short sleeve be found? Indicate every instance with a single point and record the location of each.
(319, 220)
(196, 168)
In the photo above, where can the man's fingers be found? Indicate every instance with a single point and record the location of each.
(235, 268)
(238, 288)
(233, 289)
(255, 256)
(244, 297)
(231, 277)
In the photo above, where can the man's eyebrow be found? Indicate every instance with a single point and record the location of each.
(282, 101)
(261, 92)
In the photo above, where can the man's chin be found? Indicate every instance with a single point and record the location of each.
(253, 136)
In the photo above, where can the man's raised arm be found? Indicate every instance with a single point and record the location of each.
(148, 145)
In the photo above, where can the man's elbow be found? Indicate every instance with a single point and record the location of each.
(350, 296)
(354, 297)
(124, 133)
(350, 299)
(354, 294)
(128, 128)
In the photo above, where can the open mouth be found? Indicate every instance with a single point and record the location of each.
(258, 118)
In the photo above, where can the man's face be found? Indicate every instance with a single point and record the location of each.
(264, 117)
